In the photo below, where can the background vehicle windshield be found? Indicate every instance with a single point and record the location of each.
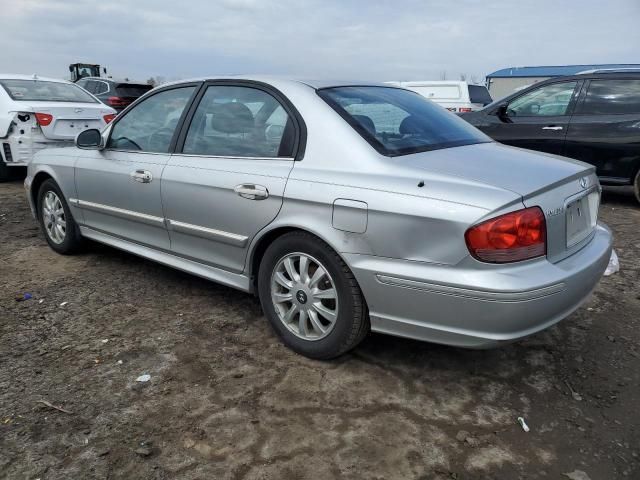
(399, 122)
(479, 94)
(39, 91)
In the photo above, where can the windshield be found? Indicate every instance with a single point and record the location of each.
(39, 91)
(399, 122)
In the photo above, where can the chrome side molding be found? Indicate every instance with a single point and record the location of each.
(208, 233)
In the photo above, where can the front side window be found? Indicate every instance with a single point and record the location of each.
(546, 101)
(233, 121)
(399, 122)
(611, 97)
(44, 91)
(150, 125)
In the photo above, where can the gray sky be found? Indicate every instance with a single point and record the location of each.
(378, 40)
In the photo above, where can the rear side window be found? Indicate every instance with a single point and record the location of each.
(479, 94)
(43, 91)
(101, 87)
(399, 122)
(132, 90)
(611, 97)
(235, 121)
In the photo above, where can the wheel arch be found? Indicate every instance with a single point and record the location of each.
(266, 238)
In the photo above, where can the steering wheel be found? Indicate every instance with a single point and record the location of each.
(127, 139)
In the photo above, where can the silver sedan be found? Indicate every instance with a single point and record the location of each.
(345, 207)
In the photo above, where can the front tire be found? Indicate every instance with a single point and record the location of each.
(60, 229)
(311, 298)
(636, 186)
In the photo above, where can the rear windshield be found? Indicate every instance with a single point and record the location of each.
(42, 91)
(479, 94)
(399, 122)
(131, 90)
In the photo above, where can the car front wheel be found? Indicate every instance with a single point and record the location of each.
(59, 228)
(311, 297)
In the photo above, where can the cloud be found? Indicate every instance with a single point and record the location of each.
(379, 40)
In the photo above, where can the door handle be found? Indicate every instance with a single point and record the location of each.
(552, 127)
(251, 191)
(142, 176)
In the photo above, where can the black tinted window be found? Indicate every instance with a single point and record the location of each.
(132, 90)
(609, 97)
(150, 125)
(398, 122)
(240, 122)
(479, 94)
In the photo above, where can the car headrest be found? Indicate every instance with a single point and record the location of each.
(366, 122)
(232, 117)
(410, 125)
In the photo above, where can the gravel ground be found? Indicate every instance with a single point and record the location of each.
(227, 401)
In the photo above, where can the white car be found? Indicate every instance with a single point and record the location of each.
(455, 96)
(38, 113)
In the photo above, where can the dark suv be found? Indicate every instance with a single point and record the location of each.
(593, 117)
(111, 92)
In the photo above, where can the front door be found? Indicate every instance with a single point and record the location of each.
(537, 120)
(228, 181)
(119, 187)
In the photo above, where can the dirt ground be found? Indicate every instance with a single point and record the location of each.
(227, 401)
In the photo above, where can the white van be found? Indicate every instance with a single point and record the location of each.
(455, 96)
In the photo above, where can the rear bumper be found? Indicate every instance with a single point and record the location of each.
(478, 307)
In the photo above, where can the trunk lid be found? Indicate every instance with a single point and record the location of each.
(567, 191)
(69, 119)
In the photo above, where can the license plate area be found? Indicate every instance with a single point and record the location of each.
(73, 127)
(581, 217)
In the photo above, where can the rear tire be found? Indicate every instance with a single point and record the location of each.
(636, 186)
(59, 228)
(311, 297)
(5, 174)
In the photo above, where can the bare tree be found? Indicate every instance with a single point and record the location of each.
(443, 75)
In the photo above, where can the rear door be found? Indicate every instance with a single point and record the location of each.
(605, 128)
(538, 119)
(226, 184)
(119, 187)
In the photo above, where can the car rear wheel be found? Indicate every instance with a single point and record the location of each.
(4, 171)
(311, 297)
(60, 230)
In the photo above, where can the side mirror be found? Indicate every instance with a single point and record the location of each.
(89, 139)
(501, 112)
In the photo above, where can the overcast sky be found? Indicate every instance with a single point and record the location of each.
(377, 40)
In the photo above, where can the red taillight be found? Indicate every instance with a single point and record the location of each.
(512, 237)
(117, 101)
(44, 119)
(464, 109)
(109, 117)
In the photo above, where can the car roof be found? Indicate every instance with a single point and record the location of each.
(313, 83)
(114, 80)
(17, 76)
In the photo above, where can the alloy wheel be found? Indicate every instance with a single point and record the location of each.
(53, 217)
(304, 296)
